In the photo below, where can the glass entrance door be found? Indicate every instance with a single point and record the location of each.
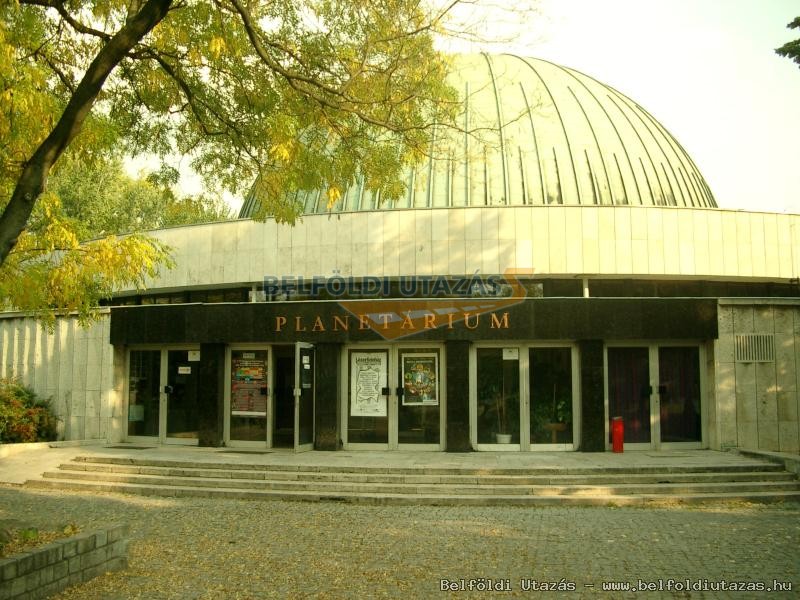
(393, 398)
(551, 385)
(524, 397)
(418, 398)
(498, 397)
(679, 394)
(368, 397)
(657, 392)
(249, 395)
(162, 395)
(144, 393)
(629, 392)
(304, 397)
(181, 391)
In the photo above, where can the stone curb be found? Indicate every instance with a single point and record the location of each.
(49, 569)
(790, 462)
(12, 449)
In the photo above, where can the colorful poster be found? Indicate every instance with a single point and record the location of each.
(420, 379)
(368, 372)
(249, 384)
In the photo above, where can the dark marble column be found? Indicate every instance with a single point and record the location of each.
(211, 394)
(592, 396)
(457, 396)
(326, 396)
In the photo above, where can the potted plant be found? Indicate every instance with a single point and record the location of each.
(560, 414)
(498, 412)
(503, 433)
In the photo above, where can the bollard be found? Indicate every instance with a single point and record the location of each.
(617, 434)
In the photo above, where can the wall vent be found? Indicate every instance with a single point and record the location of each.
(755, 347)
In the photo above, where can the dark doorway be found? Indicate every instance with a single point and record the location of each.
(283, 432)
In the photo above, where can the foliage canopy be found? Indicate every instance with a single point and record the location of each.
(791, 49)
(296, 95)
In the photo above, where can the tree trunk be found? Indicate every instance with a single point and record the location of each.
(34, 174)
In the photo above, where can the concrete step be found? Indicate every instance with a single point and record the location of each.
(414, 498)
(423, 484)
(422, 488)
(533, 469)
(268, 473)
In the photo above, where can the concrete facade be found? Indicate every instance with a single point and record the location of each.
(757, 402)
(71, 364)
(612, 241)
(751, 405)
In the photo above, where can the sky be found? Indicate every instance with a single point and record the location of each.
(706, 69)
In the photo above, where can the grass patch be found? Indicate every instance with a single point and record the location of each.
(14, 540)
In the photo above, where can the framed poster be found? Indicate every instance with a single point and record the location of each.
(248, 384)
(420, 379)
(368, 375)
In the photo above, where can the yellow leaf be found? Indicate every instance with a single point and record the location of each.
(334, 193)
(216, 46)
(281, 151)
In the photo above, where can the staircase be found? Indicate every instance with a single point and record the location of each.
(754, 481)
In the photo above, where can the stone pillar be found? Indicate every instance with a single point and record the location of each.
(211, 395)
(326, 396)
(457, 396)
(592, 396)
(118, 423)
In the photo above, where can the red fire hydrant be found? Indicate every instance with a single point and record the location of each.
(617, 434)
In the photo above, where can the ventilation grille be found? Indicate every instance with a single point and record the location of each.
(755, 347)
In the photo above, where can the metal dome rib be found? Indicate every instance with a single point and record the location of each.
(555, 135)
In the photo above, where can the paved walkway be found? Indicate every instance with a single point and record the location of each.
(220, 549)
(201, 548)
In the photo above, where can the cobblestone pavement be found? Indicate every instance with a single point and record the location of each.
(200, 548)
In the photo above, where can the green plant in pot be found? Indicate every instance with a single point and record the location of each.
(498, 411)
(503, 434)
(560, 415)
(507, 409)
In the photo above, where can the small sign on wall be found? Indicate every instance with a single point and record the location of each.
(510, 353)
(194, 355)
(184, 370)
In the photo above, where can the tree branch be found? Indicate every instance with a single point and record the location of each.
(34, 175)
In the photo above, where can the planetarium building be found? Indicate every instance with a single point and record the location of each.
(558, 261)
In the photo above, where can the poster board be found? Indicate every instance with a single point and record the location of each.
(368, 374)
(420, 379)
(248, 384)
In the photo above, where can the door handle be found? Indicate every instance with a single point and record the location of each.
(399, 392)
(385, 391)
(168, 389)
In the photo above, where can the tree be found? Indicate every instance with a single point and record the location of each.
(791, 49)
(298, 95)
(102, 199)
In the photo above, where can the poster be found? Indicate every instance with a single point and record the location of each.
(249, 384)
(367, 380)
(420, 379)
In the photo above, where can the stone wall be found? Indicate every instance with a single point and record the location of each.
(756, 404)
(49, 569)
(72, 365)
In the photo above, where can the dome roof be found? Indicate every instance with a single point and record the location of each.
(541, 134)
